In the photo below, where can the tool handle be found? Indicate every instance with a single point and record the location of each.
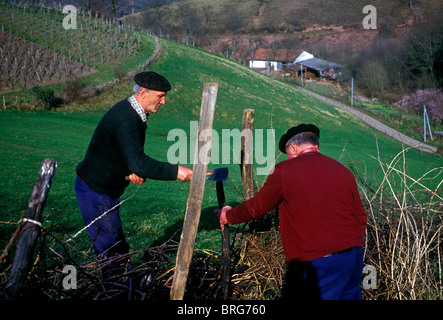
(226, 249)
(220, 194)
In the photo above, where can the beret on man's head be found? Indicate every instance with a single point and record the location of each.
(295, 130)
(152, 80)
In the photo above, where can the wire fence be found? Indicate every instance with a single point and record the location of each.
(19, 102)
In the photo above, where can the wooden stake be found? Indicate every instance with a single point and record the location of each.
(246, 153)
(196, 191)
(31, 229)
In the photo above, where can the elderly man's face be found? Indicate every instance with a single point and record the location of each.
(151, 100)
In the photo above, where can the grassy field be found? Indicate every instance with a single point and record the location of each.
(156, 214)
(406, 123)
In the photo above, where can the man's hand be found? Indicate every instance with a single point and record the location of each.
(184, 174)
(221, 215)
(135, 179)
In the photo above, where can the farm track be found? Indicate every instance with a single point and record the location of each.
(376, 124)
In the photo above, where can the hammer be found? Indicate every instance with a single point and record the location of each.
(219, 175)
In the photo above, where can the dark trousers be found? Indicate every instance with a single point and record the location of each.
(106, 233)
(336, 277)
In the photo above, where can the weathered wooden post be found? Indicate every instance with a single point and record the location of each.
(246, 166)
(196, 191)
(246, 153)
(31, 229)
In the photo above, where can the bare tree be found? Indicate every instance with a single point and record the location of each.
(190, 22)
(112, 4)
(426, 42)
(209, 22)
(234, 22)
(157, 5)
(374, 77)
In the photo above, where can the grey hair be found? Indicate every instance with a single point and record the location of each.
(302, 138)
(136, 88)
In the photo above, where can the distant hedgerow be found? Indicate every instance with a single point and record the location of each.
(431, 98)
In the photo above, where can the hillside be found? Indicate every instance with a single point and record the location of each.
(403, 54)
(37, 50)
(278, 106)
(155, 215)
(278, 22)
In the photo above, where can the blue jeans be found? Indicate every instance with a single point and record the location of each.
(335, 277)
(106, 233)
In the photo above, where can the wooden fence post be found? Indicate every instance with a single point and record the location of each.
(196, 191)
(31, 229)
(246, 153)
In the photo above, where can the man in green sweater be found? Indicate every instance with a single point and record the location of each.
(115, 157)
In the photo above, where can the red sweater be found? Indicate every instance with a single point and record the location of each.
(320, 209)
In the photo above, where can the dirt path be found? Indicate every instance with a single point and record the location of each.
(377, 124)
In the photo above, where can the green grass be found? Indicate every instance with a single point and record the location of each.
(406, 123)
(156, 214)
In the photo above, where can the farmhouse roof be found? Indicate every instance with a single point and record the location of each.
(282, 55)
(319, 64)
(304, 56)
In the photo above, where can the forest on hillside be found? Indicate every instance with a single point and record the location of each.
(402, 55)
(406, 53)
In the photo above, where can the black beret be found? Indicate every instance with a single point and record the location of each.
(152, 80)
(293, 131)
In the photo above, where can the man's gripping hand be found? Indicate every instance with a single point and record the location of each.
(184, 174)
(221, 215)
(135, 179)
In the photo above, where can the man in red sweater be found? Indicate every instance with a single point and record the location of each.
(322, 219)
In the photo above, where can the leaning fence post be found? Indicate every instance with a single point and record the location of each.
(31, 229)
(196, 192)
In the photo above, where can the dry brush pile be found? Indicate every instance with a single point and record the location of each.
(404, 234)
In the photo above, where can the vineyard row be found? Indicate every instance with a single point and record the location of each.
(36, 49)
